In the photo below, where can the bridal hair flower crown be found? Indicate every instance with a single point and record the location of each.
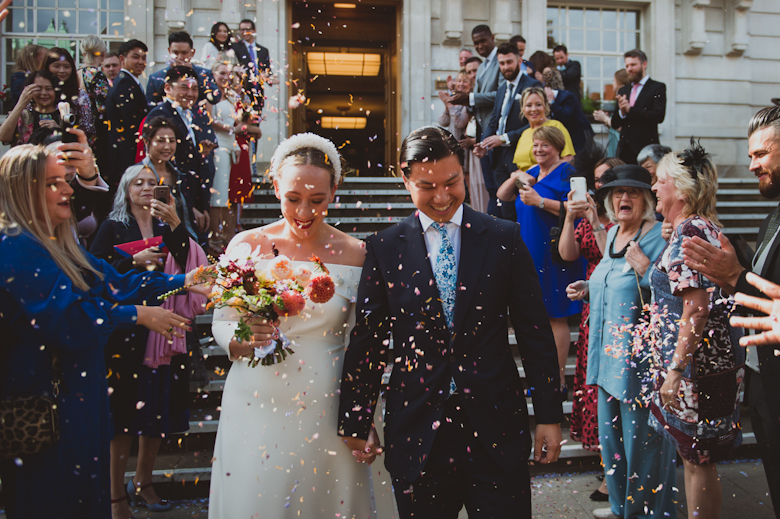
(306, 140)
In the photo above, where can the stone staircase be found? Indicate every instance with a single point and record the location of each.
(364, 206)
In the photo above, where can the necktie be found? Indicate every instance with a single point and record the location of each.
(634, 93)
(771, 229)
(187, 116)
(446, 274)
(508, 99)
(253, 55)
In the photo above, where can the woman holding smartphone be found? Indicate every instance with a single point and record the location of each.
(138, 215)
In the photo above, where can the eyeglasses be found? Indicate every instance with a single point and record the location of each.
(618, 192)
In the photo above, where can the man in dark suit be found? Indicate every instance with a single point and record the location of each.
(526, 67)
(480, 101)
(125, 109)
(723, 267)
(443, 282)
(197, 140)
(642, 107)
(570, 70)
(257, 61)
(566, 109)
(181, 51)
(505, 126)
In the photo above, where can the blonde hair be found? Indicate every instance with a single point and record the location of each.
(92, 46)
(538, 91)
(552, 136)
(697, 189)
(23, 208)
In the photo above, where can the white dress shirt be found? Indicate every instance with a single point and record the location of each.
(510, 86)
(433, 237)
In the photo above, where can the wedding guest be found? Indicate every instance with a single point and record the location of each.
(132, 375)
(220, 43)
(536, 111)
(650, 156)
(539, 204)
(29, 59)
(693, 341)
(525, 66)
(567, 109)
(59, 62)
(620, 80)
(570, 70)
(111, 67)
(639, 463)
(541, 61)
(55, 294)
(261, 415)
(35, 109)
(95, 82)
(587, 239)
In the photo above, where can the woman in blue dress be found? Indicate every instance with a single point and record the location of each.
(545, 187)
(57, 300)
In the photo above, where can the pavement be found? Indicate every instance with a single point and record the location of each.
(560, 491)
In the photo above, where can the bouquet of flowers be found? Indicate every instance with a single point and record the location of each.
(270, 292)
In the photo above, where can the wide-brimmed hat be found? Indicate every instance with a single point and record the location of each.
(625, 175)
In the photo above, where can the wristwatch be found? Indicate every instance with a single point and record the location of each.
(600, 228)
(541, 204)
(676, 367)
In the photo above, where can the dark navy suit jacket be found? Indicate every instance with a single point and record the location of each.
(207, 87)
(397, 294)
(514, 125)
(568, 111)
(125, 109)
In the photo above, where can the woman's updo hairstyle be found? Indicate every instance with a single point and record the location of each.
(308, 149)
(428, 144)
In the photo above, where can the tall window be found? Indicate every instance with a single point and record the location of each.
(60, 23)
(596, 37)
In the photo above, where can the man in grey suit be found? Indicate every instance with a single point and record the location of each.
(481, 100)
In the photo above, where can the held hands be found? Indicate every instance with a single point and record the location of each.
(202, 220)
(769, 325)
(193, 280)
(494, 141)
(162, 321)
(467, 142)
(577, 291)
(364, 451)
(263, 332)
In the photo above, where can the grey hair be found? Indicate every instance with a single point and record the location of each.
(647, 196)
(765, 118)
(120, 212)
(466, 49)
(654, 152)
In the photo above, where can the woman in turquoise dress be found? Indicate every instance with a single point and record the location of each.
(56, 300)
(545, 188)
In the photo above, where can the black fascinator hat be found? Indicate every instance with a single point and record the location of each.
(626, 175)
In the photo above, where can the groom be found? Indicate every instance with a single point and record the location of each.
(443, 282)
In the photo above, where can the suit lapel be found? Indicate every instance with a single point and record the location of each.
(644, 93)
(473, 250)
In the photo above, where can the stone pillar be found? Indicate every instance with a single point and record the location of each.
(452, 21)
(534, 23)
(231, 13)
(502, 20)
(175, 15)
(415, 66)
(662, 58)
(694, 34)
(737, 35)
(272, 32)
(139, 25)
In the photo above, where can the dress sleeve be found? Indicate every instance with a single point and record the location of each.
(460, 116)
(680, 275)
(223, 328)
(86, 119)
(579, 232)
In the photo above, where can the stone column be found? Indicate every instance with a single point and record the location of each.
(534, 23)
(452, 21)
(415, 65)
(139, 24)
(272, 32)
(231, 13)
(502, 20)
(694, 34)
(662, 58)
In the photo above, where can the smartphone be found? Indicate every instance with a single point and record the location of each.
(162, 194)
(579, 189)
(520, 184)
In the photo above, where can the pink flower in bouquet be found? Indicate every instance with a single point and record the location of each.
(281, 267)
(293, 302)
(302, 275)
(321, 289)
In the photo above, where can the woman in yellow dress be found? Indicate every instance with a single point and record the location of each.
(536, 111)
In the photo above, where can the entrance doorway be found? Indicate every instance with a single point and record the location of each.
(343, 58)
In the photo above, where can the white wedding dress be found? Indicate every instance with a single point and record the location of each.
(277, 454)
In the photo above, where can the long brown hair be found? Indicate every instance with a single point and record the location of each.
(23, 208)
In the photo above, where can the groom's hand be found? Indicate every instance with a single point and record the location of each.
(364, 451)
(547, 444)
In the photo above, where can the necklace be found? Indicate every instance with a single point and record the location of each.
(613, 254)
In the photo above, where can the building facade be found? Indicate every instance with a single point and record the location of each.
(718, 58)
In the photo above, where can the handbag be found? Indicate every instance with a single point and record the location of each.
(31, 424)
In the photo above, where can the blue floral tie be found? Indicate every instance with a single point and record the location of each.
(446, 275)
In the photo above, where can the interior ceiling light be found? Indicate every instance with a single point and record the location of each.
(343, 64)
(343, 123)
(344, 6)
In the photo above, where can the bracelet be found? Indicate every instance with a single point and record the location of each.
(90, 179)
(600, 228)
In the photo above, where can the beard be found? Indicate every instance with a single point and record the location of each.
(769, 186)
(510, 75)
(635, 78)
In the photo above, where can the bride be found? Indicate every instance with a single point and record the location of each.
(277, 454)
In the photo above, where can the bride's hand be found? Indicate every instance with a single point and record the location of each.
(263, 332)
(365, 451)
